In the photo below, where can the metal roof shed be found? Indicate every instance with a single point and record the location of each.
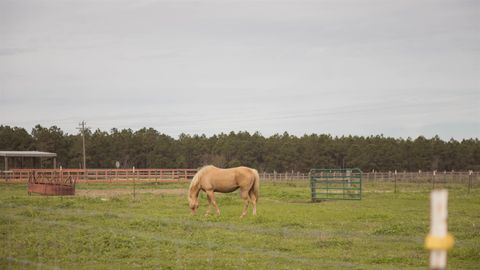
(31, 154)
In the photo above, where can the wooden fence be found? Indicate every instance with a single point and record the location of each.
(104, 175)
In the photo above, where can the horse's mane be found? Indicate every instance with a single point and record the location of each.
(199, 174)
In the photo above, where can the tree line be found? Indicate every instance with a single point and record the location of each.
(148, 148)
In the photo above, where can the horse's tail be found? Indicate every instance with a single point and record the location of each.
(256, 183)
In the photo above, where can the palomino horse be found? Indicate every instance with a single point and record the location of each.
(211, 179)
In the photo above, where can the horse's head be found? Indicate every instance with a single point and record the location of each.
(192, 202)
(194, 190)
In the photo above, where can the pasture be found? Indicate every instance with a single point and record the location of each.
(106, 228)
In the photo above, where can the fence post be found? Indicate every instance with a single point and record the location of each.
(395, 179)
(439, 240)
(433, 179)
(419, 178)
(313, 187)
(133, 170)
(469, 180)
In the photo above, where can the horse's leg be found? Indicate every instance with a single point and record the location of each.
(245, 202)
(253, 198)
(209, 204)
(211, 195)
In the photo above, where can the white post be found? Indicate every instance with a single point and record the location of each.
(438, 241)
(438, 212)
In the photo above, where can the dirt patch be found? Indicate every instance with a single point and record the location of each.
(118, 192)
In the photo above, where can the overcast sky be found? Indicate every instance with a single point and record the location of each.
(398, 68)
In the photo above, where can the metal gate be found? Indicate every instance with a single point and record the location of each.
(336, 184)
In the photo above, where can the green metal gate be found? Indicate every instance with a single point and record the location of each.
(336, 184)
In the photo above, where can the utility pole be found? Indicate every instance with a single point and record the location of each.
(82, 130)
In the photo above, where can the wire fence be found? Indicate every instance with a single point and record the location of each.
(420, 176)
(394, 181)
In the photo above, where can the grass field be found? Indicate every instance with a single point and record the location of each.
(155, 231)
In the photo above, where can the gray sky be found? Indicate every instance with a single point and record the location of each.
(398, 68)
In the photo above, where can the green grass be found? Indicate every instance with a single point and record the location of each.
(384, 230)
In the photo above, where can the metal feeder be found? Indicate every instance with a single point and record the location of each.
(52, 184)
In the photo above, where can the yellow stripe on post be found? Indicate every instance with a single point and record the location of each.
(439, 243)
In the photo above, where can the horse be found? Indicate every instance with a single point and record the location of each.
(211, 179)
